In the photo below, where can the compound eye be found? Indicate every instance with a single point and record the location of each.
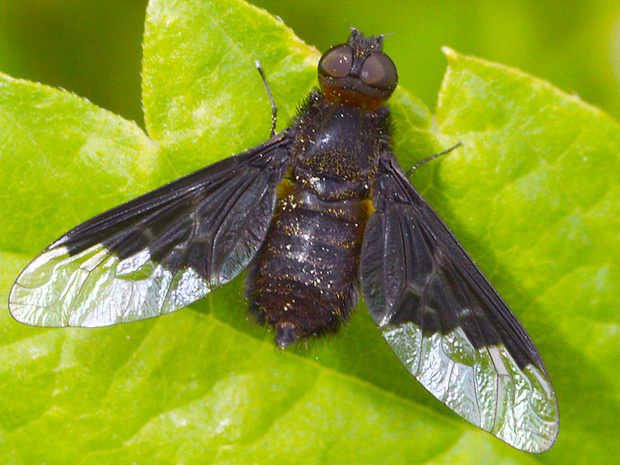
(379, 71)
(336, 62)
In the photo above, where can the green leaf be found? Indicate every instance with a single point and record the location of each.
(531, 194)
(535, 198)
(52, 142)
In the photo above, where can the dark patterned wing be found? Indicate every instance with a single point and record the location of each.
(447, 324)
(158, 252)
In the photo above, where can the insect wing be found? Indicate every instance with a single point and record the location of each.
(158, 252)
(446, 323)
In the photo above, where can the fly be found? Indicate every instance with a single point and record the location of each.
(316, 212)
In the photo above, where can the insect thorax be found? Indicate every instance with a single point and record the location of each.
(337, 148)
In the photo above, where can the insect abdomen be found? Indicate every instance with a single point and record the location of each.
(305, 278)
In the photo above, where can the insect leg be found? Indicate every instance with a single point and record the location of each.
(426, 160)
(274, 109)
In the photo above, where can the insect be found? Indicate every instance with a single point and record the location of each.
(316, 212)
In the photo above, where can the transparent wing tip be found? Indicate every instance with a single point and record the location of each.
(484, 386)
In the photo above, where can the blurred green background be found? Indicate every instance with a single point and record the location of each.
(93, 47)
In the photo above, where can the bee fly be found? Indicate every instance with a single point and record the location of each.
(314, 212)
